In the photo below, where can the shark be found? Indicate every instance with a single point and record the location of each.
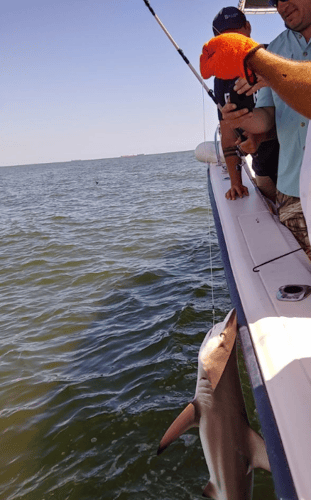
(232, 450)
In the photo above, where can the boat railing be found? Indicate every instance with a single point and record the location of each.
(217, 148)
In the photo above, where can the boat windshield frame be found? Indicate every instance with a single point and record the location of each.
(256, 7)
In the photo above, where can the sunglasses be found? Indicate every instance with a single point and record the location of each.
(274, 3)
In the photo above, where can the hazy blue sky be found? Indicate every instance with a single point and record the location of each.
(84, 79)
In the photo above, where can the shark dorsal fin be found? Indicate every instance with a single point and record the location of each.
(210, 491)
(259, 457)
(187, 419)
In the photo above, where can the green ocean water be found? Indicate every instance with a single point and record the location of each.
(106, 296)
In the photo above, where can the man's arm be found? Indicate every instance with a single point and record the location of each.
(228, 139)
(291, 80)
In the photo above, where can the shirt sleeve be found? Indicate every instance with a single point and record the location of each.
(265, 98)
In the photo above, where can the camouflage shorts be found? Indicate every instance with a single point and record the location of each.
(291, 215)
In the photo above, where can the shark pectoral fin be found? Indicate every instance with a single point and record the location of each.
(210, 491)
(259, 457)
(187, 419)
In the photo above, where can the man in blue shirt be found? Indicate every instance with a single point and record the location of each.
(294, 43)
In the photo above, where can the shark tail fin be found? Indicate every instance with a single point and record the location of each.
(187, 419)
(259, 457)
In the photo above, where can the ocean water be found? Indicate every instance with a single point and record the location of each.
(106, 296)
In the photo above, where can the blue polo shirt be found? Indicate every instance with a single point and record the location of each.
(291, 126)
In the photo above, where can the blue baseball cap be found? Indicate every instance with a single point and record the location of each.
(227, 19)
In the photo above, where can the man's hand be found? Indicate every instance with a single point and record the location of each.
(258, 121)
(236, 190)
(241, 86)
(225, 56)
(233, 118)
(251, 144)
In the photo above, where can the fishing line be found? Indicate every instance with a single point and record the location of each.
(179, 50)
(211, 94)
(209, 233)
(209, 91)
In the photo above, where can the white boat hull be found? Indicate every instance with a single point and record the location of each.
(280, 331)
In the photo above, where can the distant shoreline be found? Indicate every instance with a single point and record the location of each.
(130, 156)
(92, 159)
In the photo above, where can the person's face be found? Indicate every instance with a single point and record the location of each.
(296, 14)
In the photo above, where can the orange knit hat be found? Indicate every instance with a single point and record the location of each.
(225, 57)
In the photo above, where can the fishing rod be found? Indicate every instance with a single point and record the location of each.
(209, 91)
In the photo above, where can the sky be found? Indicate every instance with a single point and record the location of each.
(86, 79)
